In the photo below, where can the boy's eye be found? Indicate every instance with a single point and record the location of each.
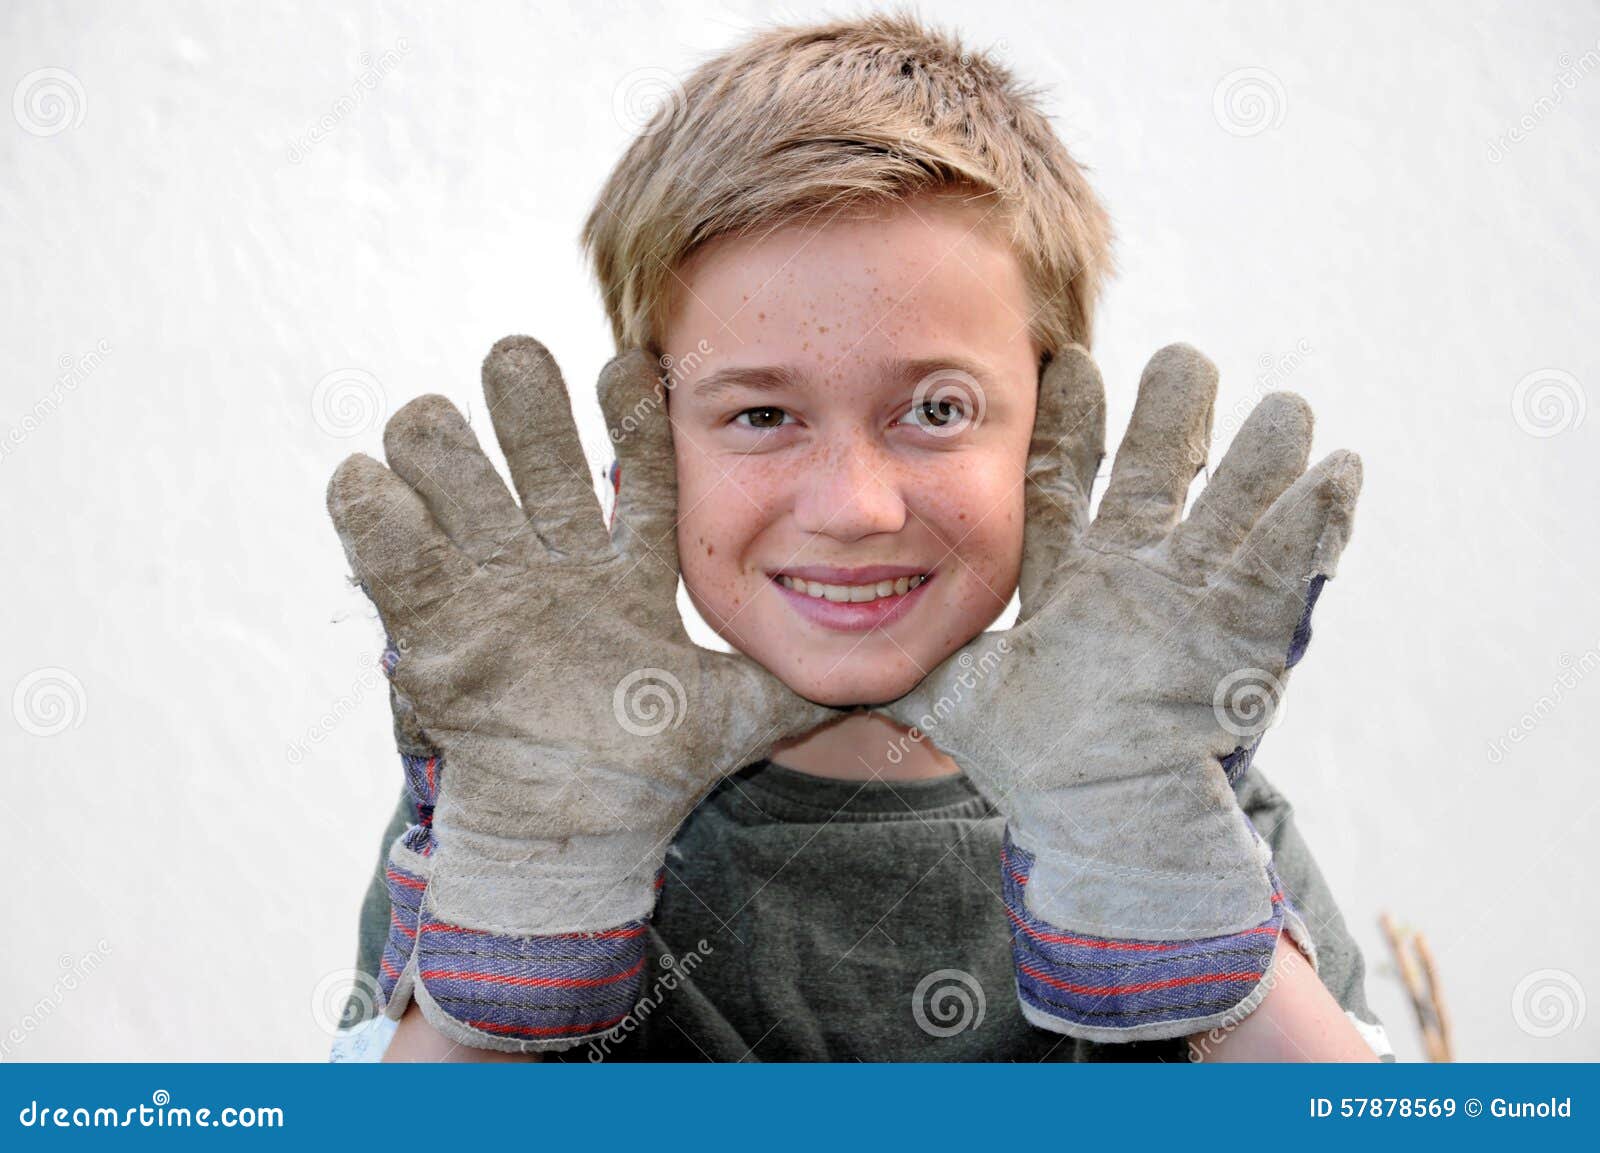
(762, 418)
(942, 415)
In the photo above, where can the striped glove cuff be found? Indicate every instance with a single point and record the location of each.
(1111, 990)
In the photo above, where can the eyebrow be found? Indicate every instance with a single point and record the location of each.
(772, 378)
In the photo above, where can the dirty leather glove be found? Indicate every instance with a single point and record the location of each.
(1148, 658)
(560, 722)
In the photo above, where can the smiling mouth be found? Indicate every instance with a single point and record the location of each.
(852, 600)
(861, 593)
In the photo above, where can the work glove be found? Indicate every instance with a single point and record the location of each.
(556, 722)
(1148, 658)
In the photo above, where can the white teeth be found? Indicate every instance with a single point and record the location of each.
(852, 594)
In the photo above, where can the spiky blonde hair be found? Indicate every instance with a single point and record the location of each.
(795, 122)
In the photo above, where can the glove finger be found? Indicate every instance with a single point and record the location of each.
(431, 448)
(1166, 444)
(1267, 456)
(1298, 540)
(532, 416)
(758, 711)
(397, 551)
(952, 707)
(1069, 441)
(644, 529)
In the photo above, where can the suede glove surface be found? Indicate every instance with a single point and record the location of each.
(1149, 656)
(555, 720)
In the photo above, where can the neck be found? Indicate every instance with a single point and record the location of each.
(863, 746)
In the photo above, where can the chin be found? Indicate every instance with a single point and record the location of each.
(849, 692)
(860, 682)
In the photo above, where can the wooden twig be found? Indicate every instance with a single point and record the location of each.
(1418, 972)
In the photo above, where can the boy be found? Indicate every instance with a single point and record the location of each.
(866, 270)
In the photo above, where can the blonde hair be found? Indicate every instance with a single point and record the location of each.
(797, 121)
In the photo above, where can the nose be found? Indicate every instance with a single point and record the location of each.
(853, 491)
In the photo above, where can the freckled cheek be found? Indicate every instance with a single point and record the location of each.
(980, 516)
(723, 513)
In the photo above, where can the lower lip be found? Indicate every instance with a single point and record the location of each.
(850, 616)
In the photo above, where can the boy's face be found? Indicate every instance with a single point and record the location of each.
(851, 407)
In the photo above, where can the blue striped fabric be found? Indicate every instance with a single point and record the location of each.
(405, 905)
(423, 775)
(406, 886)
(540, 987)
(1076, 979)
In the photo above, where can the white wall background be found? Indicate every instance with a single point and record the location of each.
(166, 544)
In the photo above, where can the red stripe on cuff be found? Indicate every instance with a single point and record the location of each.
(531, 982)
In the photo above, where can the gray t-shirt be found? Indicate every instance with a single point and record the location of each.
(810, 919)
